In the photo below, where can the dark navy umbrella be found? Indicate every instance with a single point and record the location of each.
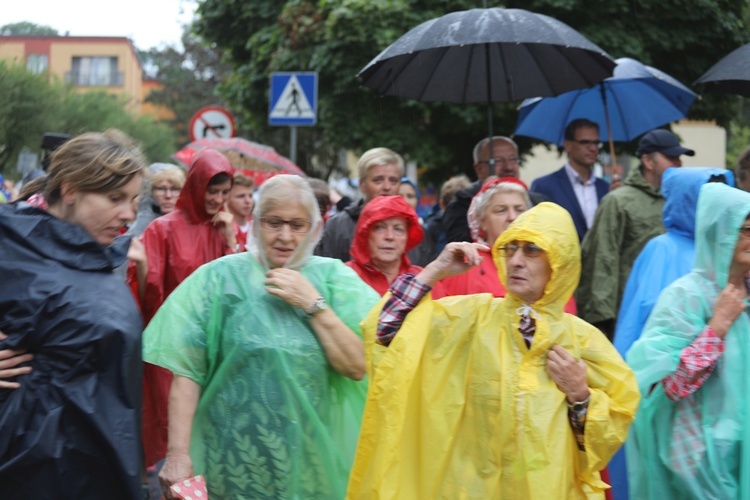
(636, 99)
(730, 75)
(487, 55)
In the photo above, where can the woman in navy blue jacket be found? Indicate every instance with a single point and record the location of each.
(71, 429)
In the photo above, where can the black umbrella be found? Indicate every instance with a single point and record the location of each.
(487, 55)
(730, 75)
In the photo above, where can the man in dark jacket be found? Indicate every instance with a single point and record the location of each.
(380, 173)
(504, 158)
(574, 186)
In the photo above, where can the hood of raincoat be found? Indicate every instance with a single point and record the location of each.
(206, 164)
(380, 209)
(550, 227)
(680, 188)
(722, 211)
(58, 240)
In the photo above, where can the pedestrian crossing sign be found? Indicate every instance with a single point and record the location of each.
(294, 99)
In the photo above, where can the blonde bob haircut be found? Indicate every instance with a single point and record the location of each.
(94, 162)
(376, 157)
(172, 174)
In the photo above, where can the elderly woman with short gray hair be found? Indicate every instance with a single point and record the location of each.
(267, 355)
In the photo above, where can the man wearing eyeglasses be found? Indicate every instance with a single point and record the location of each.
(503, 162)
(626, 220)
(574, 186)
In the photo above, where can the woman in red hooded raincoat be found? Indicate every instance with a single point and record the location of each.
(198, 231)
(492, 210)
(387, 229)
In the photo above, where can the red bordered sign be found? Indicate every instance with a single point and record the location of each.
(211, 122)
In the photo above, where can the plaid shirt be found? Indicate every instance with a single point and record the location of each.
(406, 292)
(697, 362)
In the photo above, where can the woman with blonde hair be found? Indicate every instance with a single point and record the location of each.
(71, 425)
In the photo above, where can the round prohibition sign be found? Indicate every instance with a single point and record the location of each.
(211, 122)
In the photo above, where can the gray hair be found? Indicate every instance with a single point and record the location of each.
(485, 142)
(482, 201)
(278, 191)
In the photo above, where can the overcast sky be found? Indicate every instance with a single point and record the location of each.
(149, 23)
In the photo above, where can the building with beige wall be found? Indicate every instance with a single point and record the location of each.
(108, 64)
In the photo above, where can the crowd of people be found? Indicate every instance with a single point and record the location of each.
(576, 339)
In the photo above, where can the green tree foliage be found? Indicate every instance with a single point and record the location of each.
(32, 105)
(337, 38)
(24, 110)
(189, 77)
(25, 28)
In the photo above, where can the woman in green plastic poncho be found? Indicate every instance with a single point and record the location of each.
(690, 438)
(266, 352)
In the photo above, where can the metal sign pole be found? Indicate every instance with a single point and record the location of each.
(293, 144)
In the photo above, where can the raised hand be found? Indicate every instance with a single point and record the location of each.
(727, 308)
(291, 286)
(456, 258)
(223, 222)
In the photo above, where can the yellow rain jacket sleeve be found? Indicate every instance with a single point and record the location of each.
(459, 407)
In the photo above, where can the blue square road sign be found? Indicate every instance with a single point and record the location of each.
(294, 99)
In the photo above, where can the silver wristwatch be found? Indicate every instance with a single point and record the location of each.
(317, 306)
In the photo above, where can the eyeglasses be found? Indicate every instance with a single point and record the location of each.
(513, 160)
(530, 250)
(276, 223)
(745, 231)
(587, 143)
(163, 190)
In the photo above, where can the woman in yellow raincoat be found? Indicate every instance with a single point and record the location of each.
(478, 397)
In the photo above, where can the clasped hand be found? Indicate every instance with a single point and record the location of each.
(291, 286)
(568, 374)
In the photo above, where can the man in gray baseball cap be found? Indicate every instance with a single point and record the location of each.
(626, 220)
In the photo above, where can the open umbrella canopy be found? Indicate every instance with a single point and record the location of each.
(730, 75)
(257, 160)
(636, 99)
(487, 55)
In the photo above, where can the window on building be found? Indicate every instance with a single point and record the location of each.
(36, 63)
(100, 71)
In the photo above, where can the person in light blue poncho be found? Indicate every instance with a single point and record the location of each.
(692, 362)
(663, 260)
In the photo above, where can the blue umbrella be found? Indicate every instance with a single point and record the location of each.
(636, 99)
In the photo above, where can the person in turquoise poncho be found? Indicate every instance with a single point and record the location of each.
(266, 351)
(690, 438)
(664, 259)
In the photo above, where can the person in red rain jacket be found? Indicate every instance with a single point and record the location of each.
(492, 210)
(387, 228)
(198, 231)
